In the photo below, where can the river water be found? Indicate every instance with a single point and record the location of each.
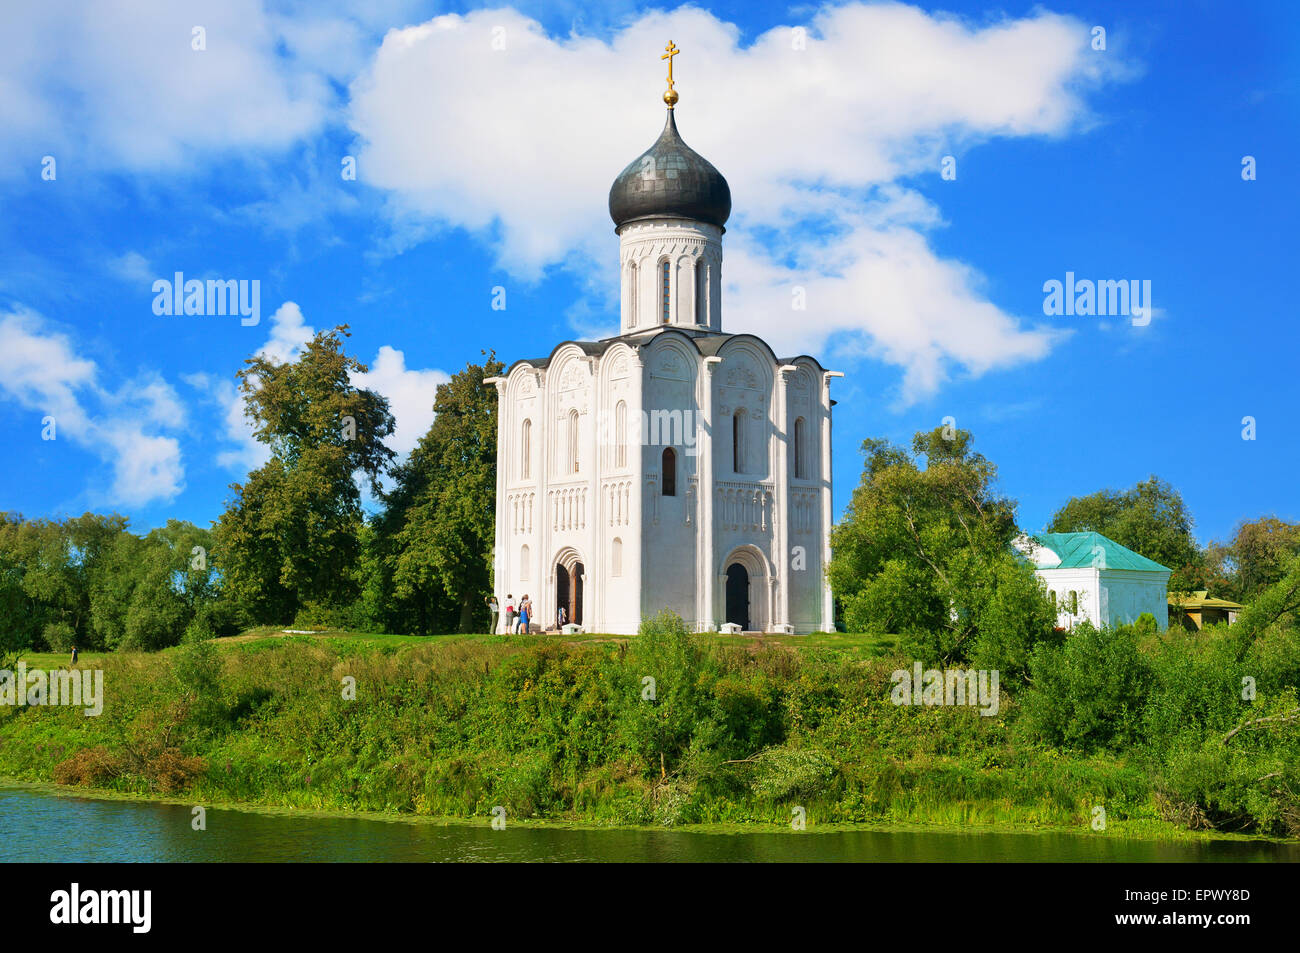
(38, 825)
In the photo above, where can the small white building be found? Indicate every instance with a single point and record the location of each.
(1091, 577)
(673, 466)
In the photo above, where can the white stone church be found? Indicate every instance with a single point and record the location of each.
(674, 466)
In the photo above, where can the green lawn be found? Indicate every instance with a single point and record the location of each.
(837, 644)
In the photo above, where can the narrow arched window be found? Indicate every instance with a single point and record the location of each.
(1051, 598)
(665, 273)
(701, 293)
(1074, 602)
(670, 471)
(631, 294)
(573, 441)
(620, 434)
(523, 563)
(800, 453)
(738, 442)
(616, 557)
(525, 449)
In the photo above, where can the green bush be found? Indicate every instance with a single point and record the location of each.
(785, 774)
(1088, 692)
(1196, 687)
(662, 701)
(1145, 625)
(59, 636)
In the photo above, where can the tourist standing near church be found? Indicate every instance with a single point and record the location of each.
(525, 609)
(510, 614)
(492, 609)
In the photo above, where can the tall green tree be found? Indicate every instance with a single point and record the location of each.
(1254, 559)
(437, 530)
(289, 537)
(1150, 518)
(925, 550)
(22, 616)
(48, 571)
(176, 583)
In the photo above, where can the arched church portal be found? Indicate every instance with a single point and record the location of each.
(738, 595)
(569, 584)
(746, 589)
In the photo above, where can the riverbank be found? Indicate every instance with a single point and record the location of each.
(1137, 830)
(118, 829)
(723, 737)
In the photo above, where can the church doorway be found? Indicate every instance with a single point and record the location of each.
(738, 596)
(568, 593)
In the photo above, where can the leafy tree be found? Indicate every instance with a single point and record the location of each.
(48, 571)
(174, 584)
(113, 589)
(436, 534)
(22, 615)
(1280, 602)
(1150, 519)
(289, 536)
(1255, 559)
(925, 551)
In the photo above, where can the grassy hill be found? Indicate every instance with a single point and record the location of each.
(731, 730)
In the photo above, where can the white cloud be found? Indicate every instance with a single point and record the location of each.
(410, 394)
(117, 84)
(132, 267)
(920, 312)
(289, 334)
(242, 452)
(519, 145)
(41, 370)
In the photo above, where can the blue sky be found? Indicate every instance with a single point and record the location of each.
(480, 167)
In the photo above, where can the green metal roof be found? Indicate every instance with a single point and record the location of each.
(1077, 551)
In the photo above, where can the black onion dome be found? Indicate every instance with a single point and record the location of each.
(681, 183)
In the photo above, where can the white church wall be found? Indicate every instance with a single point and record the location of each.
(745, 493)
(1082, 582)
(1108, 596)
(803, 550)
(1126, 594)
(743, 386)
(671, 573)
(615, 580)
(643, 551)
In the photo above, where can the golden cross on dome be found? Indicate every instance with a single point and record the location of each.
(671, 50)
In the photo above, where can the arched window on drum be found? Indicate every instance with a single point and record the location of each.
(665, 293)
